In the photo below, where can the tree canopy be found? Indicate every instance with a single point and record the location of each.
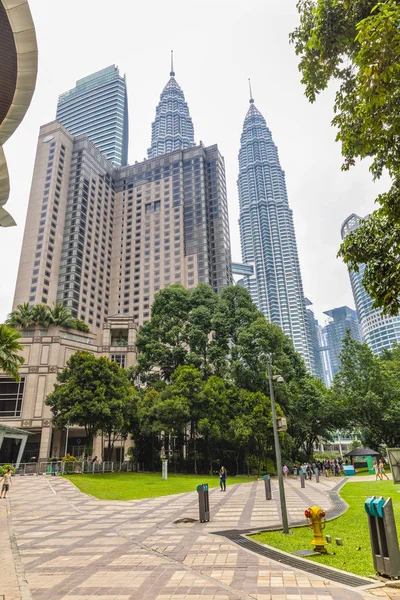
(357, 44)
(92, 393)
(366, 393)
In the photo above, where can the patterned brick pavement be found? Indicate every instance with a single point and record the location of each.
(75, 547)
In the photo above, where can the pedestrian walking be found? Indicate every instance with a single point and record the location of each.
(376, 469)
(285, 471)
(6, 482)
(222, 479)
(382, 470)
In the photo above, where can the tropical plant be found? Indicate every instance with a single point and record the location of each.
(10, 359)
(21, 317)
(61, 315)
(41, 315)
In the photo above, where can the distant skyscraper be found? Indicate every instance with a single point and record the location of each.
(267, 233)
(314, 343)
(378, 331)
(98, 107)
(342, 320)
(172, 128)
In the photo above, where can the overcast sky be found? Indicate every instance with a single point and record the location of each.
(217, 45)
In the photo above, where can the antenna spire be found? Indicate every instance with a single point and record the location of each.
(251, 95)
(172, 73)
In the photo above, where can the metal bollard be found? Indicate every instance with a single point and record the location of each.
(267, 483)
(164, 473)
(303, 480)
(204, 503)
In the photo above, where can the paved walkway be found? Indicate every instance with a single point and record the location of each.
(75, 547)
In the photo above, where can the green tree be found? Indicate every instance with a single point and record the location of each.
(91, 392)
(10, 359)
(249, 357)
(367, 391)
(312, 415)
(21, 317)
(357, 44)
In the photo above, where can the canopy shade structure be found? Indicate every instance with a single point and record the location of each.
(362, 452)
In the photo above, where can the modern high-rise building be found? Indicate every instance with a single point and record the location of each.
(98, 107)
(341, 320)
(267, 233)
(18, 70)
(314, 342)
(378, 331)
(104, 240)
(172, 128)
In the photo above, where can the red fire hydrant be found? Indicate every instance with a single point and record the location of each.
(316, 521)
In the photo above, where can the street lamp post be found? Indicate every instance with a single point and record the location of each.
(285, 524)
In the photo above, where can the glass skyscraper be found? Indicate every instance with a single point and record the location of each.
(172, 128)
(98, 107)
(378, 331)
(342, 319)
(267, 233)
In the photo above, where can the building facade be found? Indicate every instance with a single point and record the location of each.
(98, 107)
(267, 233)
(103, 240)
(46, 352)
(341, 320)
(18, 71)
(378, 331)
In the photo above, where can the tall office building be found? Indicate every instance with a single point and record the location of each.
(342, 319)
(378, 331)
(267, 233)
(172, 128)
(98, 107)
(103, 241)
(314, 342)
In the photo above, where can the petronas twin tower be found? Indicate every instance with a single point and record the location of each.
(267, 233)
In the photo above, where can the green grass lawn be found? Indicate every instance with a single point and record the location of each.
(352, 527)
(134, 486)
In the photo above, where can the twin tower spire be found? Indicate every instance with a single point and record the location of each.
(172, 129)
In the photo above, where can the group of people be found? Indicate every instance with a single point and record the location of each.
(379, 468)
(326, 467)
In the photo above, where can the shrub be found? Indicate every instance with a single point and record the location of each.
(68, 458)
(4, 469)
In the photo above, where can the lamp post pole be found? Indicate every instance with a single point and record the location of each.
(285, 524)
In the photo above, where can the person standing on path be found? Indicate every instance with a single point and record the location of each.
(285, 471)
(222, 479)
(6, 482)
